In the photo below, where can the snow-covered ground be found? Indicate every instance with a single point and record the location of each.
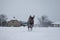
(21, 33)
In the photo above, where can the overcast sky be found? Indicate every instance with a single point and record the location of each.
(21, 9)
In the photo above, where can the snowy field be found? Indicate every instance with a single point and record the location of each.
(21, 33)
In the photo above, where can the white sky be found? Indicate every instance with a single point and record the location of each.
(21, 9)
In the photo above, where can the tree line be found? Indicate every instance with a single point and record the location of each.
(43, 20)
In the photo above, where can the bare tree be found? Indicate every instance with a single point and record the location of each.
(44, 21)
(3, 19)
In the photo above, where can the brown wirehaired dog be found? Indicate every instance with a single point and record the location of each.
(30, 22)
